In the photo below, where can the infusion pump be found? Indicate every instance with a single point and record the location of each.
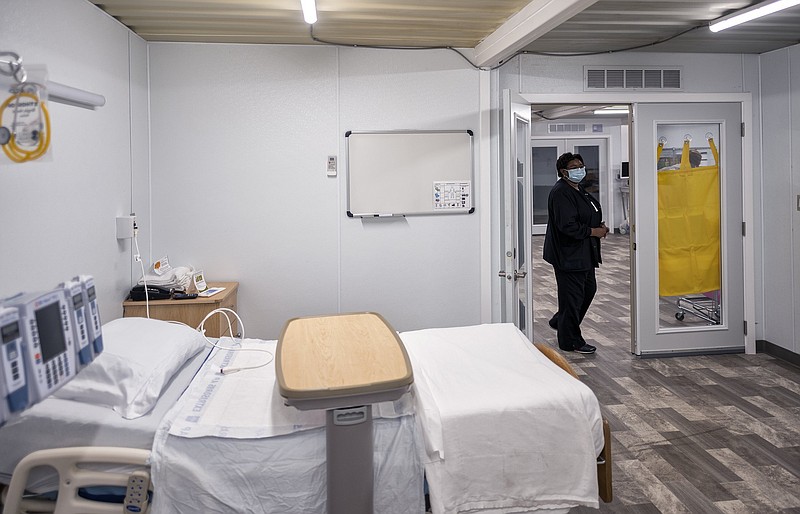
(93, 313)
(46, 339)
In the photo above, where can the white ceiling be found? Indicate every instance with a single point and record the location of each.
(494, 28)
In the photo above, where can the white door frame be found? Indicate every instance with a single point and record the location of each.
(746, 101)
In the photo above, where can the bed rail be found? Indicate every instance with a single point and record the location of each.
(74, 466)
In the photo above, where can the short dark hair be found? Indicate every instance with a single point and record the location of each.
(561, 163)
(695, 158)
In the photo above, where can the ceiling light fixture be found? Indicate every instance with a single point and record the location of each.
(751, 13)
(615, 109)
(309, 11)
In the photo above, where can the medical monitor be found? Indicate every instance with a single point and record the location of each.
(13, 386)
(92, 313)
(48, 348)
(73, 290)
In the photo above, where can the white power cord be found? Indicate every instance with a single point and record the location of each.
(138, 258)
(236, 347)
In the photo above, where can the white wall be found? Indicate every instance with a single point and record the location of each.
(780, 251)
(58, 215)
(240, 139)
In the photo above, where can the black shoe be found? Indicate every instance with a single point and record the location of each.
(586, 348)
(553, 322)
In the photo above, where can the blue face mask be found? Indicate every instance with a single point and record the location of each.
(577, 174)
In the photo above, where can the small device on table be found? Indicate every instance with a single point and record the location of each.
(343, 363)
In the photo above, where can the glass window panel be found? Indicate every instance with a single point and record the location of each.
(689, 225)
(544, 176)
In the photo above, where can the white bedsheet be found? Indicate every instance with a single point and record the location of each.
(505, 429)
(231, 445)
(56, 423)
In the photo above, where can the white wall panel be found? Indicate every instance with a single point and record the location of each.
(58, 216)
(418, 271)
(779, 201)
(701, 73)
(240, 135)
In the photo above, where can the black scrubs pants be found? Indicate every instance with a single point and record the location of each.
(576, 290)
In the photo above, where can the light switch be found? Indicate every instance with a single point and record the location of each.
(331, 166)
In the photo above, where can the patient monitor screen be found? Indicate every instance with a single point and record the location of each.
(51, 331)
(9, 332)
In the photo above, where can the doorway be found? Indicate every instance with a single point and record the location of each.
(602, 141)
(645, 338)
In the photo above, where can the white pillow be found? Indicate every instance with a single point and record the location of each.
(139, 358)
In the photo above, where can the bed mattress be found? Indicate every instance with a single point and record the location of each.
(231, 445)
(57, 423)
(505, 430)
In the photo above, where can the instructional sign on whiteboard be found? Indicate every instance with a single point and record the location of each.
(396, 173)
(451, 195)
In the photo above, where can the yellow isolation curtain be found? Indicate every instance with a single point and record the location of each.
(688, 226)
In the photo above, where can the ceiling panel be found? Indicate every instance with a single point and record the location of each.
(606, 26)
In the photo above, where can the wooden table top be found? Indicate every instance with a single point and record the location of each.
(340, 355)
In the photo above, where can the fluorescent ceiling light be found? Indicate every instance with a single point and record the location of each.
(309, 11)
(751, 13)
(614, 109)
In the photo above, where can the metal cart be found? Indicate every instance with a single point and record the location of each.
(705, 307)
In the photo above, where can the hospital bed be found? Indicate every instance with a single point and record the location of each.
(226, 443)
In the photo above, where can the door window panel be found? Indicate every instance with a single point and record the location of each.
(689, 227)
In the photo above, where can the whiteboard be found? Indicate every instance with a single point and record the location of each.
(399, 173)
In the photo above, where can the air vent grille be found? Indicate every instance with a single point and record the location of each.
(556, 128)
(672, 79)
(641, 77)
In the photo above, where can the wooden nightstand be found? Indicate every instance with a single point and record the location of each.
(192, 311)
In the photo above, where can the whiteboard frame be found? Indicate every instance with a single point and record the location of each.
(469, 209)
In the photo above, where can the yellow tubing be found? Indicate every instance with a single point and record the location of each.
(12, 150)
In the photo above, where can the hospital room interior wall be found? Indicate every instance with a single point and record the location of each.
(419, 271)
(240, 137)
(58, 213)
(780, 82)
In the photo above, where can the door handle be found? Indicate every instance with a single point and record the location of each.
(516, 276)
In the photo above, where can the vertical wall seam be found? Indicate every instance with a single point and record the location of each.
(149, 161)
(130, 150)
(340, 163)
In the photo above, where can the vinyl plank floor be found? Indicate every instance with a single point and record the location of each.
(712, 433)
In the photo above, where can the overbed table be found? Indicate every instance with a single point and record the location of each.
(343, 363)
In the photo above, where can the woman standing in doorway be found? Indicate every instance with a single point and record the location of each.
(572, 246)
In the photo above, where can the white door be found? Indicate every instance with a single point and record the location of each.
(688, 271)
(516, 275)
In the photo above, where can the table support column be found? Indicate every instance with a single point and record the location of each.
(350, 460)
